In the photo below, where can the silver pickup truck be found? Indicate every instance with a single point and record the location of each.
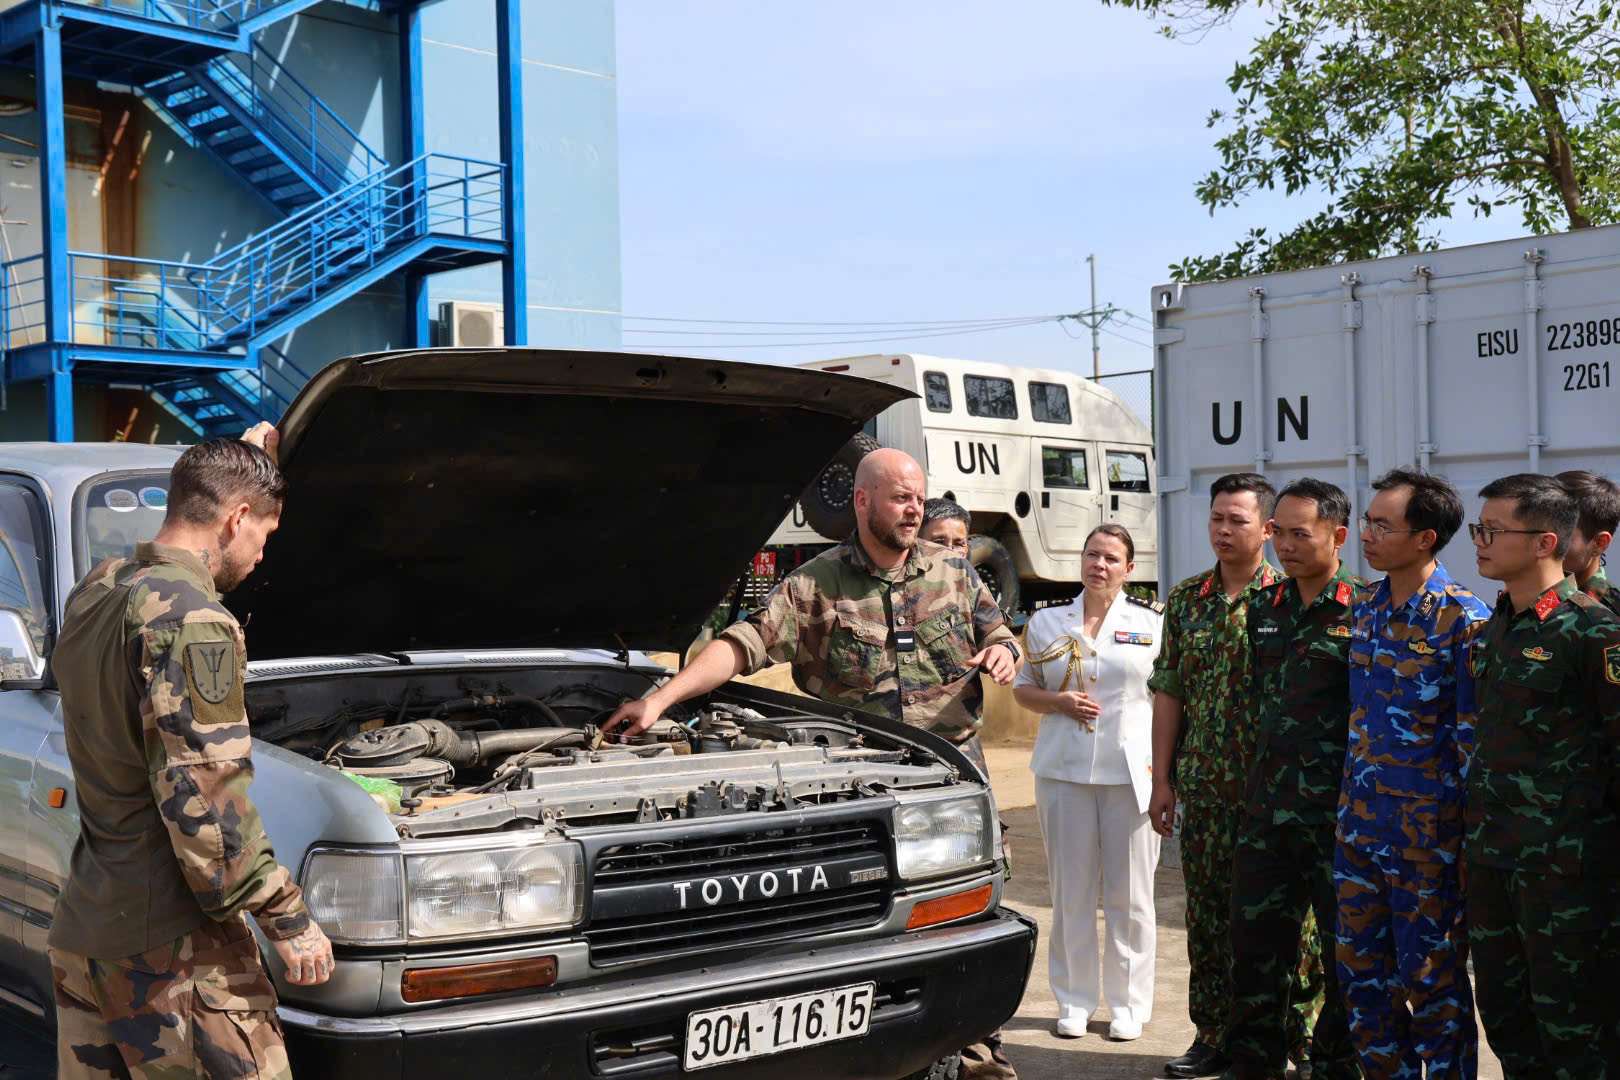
(474, 548)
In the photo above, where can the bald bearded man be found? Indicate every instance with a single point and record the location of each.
(880, 623)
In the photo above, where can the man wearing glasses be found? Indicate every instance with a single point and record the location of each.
(1543, 843)
(1402, 940)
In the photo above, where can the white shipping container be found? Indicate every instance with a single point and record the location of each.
(1473, 362)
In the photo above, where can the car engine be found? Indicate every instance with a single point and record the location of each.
(479, 754)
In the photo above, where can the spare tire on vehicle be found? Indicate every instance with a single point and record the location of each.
(829, 501)
(997, 570)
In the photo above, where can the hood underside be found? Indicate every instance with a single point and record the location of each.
(476, 499)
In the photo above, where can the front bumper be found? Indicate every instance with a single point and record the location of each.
(937, 990)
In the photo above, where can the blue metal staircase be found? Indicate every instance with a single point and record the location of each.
(200, 335)
(266, 127)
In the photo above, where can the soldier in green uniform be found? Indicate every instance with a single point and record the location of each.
(157, 973)
(1204, 732)
(1543, 806)
(1599, 502)
(1299, 636)
(879, 623)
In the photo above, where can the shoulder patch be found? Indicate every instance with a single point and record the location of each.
(1151, 605)
(211, 669)
(1476, 657)
(1611, 664)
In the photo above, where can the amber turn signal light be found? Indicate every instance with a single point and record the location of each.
(945, 908)
(436, 984)
(57, 798)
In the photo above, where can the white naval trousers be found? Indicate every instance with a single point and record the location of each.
(1092, 831)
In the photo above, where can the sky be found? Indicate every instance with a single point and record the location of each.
(842, 162)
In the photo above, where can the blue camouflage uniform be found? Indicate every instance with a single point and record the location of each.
(1402, 936)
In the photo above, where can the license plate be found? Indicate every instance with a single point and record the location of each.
(775, 1025)
(765, 564)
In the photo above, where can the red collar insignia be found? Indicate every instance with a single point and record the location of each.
(1276, 601)
(1207, 587)
(1266, 578)
(1545, 605)
(1343, 594)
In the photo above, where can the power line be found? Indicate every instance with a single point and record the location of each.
(851, 341)
(987, 324)
(867, 322)
(1126, 337)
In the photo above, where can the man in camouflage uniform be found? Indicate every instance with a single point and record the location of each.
(1299, 635)
(1543, 810)
(157, 973)
(1204, 732)
(1599, 502)
(1402, 937)
(879, 623)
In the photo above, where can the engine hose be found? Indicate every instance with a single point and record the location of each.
(494, 744)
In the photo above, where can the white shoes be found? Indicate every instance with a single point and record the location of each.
(1072, 1025)
(1124, 1027)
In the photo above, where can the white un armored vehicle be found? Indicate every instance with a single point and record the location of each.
(1039, 458)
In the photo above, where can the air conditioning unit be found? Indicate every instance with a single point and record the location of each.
(471, 325)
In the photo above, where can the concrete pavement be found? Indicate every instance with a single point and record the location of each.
(1031, 1044)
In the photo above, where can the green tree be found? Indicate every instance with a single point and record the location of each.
(1400, 110)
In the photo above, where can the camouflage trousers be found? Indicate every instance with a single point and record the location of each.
(1403, 966)
(200, 1006)
(1281, 873)
(1209, 832)
(1546, 947)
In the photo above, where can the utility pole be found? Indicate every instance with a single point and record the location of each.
(1096, 352)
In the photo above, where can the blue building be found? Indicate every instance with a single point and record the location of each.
(202, 202)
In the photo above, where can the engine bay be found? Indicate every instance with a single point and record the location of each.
(447, 750)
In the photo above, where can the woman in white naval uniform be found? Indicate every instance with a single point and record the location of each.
(1086, 670)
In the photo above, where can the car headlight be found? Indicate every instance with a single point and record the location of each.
(355, 896)
(935, 836)
(498, 890)
(374, 898)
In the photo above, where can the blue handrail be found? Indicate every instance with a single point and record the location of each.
(251, 285)
(246, 291)
(331, 152)
(199, 14)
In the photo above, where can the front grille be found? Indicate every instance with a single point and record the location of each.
(753, 921)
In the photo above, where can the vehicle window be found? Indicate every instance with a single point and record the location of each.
(1063, 467)
(870, 427)
(938, 390)
(1127, 471)
(120, 512)
(1049, 402)
(23, 565)
(990, 397)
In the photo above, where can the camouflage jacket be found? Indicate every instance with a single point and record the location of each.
(150, 666)
(1542, 786)
(1302, 680)
(1204, 664)
(839, 622)
(1601, 589)
(1411, 720)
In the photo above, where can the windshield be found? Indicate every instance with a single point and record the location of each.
(118, 513)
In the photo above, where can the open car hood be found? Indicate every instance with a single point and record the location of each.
(501, 498)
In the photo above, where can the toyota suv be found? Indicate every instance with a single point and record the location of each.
(477, 548)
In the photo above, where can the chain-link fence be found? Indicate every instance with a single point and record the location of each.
(1135, 388)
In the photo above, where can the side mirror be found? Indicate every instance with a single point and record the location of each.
(20, 662)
